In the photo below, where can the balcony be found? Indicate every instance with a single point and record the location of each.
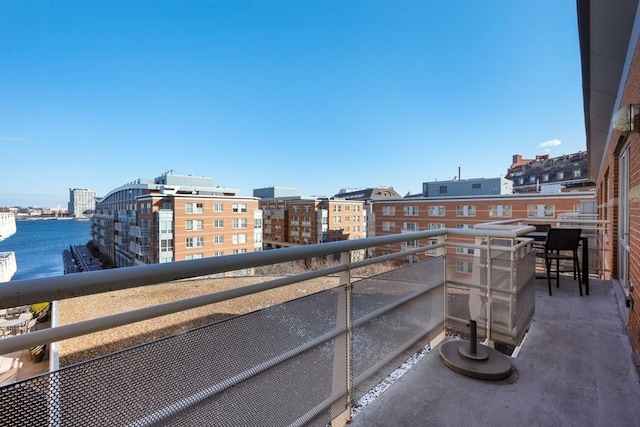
(301, 362)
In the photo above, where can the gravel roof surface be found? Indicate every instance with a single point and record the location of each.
(93, 306)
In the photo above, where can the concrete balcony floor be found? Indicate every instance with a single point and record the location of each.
(574, 368)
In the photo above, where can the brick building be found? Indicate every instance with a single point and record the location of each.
(428, 213)
(174, 218)
(609, 35)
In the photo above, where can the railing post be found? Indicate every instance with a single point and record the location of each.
(489, 294)
(343, 347)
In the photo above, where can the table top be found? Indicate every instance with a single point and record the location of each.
(542, 235)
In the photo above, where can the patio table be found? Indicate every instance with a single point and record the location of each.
(541, 236)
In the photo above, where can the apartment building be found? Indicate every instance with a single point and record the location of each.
(174, 218)
(569, 171)
(368, 195)
(296, 220)
(429, 213)
(82, 201)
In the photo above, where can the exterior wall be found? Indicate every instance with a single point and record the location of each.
(80, 201)
(305, 221)
(570, 170)
(235, 233)
(273, 192)
(143, 222)
(419, 214)
(467, 187)
(609, 193)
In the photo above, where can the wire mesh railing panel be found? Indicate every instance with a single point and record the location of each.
(416, 294)
(186, 375)
(512, 302)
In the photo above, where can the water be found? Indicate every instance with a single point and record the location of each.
(38, 245)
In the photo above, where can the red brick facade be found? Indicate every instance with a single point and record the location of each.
(610, 205)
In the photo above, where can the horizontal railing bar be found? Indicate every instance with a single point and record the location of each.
(55, 288)
(32, 339)
(383, 310)
(183, 404)
(359, 322)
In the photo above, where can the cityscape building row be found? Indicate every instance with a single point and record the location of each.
(180, 217)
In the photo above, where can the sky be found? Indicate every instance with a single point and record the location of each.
(314, 95)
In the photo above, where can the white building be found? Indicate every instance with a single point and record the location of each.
(81, 201)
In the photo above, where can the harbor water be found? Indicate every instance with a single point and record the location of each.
(38, 245)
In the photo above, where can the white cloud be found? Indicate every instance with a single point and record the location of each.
(12, 138)
(550, 143)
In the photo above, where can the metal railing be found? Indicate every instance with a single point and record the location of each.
(298, 363)
(598, 232)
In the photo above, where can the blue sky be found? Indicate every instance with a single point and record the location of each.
(315, 95)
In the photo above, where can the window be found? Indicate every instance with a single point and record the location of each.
(356, 208)
(532, 179)
(257, 223)
(307, 209)
(576, 173)
(194, 224)
(193, 256)
(435, 211)
(435, 226)
(346, 208)
(218, 253)
(337, 208)
(356, 228)
(466, 210)
(239, 207)
(337, 220)
(218, 207)
(476, 186)
(356, 218)
(388, 210)
(410, 226)
(412, 244)
(239, 239)
(166, 227)
(295, 209)
(218, 239)
(443, 189)
(388, 225)
(240, 223)
(218, 223)
(500, 211)
(166, 245)
(464, 267)
(541, 211)
(195, 242)
(545, 177)
(410, 211)
(521, 181)
(240, 251)
(561, 175)
(193, 207)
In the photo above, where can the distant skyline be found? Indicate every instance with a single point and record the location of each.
(314, 95)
